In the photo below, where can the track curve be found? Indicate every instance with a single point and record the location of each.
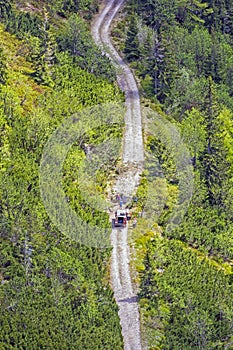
(133, 157)
(133, 141)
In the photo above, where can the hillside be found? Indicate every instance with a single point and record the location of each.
(54, 291)
(181, 52)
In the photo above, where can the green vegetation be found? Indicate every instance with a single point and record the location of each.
(186, 297)
(182, 53)
(54, 292)
(45, 35)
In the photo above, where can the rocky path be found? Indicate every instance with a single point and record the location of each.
(126, 183)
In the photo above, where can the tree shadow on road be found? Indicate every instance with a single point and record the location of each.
(131, 300)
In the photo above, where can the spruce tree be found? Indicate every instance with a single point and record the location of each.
(131, 49)
(214, 158)
(3, 67)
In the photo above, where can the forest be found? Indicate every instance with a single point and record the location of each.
(182, 53)
(55, 292)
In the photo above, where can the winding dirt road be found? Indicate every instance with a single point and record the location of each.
(133, 157)
(133, 142)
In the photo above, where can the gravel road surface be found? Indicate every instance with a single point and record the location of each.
(133, 157)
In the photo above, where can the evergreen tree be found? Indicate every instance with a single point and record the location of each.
(194, 133)
(3, 67)
(5, 9)
(131, 48)
(167, 67)
(159, 14)
(214, 158)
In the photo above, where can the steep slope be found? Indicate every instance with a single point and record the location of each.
(53, 294)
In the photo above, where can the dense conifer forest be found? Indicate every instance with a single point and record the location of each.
(54, 292)
(182, 53)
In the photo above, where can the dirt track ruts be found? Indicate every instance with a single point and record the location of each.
(133, 142)
(133, 156)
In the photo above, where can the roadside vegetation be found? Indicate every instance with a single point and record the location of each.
(182, 54)
(54, 292)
